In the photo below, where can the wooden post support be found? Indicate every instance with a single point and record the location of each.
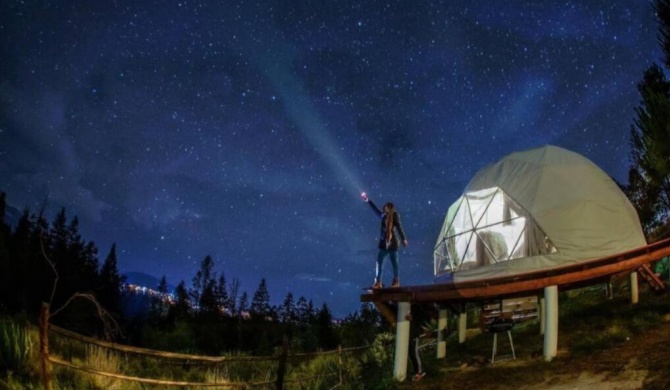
(281, 368)
(401, 341)
(44, 346)
(551, 322)
(339, 352)
(441, 333)
(634, 294)
(386, 312)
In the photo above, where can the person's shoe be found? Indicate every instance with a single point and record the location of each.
(378, 284)
(396, 282)
(418, 376)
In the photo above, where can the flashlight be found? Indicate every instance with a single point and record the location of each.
(364, 196)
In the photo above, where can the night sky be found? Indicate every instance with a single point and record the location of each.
(246, 130)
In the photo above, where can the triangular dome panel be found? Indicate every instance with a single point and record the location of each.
(503, 231)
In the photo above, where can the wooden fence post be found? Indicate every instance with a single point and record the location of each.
(44, 346)
(339, 352)
(282, 364)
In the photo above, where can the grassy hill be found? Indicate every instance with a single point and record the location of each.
(603, 344)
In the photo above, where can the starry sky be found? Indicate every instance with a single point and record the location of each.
(246, 130)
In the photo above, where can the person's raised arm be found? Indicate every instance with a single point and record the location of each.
(372, 205)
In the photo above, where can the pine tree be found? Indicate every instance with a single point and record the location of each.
(662, 9)
(25, 258)
(233, 292)
(5, 267)
(3, 206)
(110, 284)
(287, 312)
(221, 293)
(243, 305)
(260, 303)
(651, 135)
(649, 177)
(160, 306)
(202, 291)
(75, 260)
(182, 306)
(208, 302)
(162, 286)
(324, 328)
(644, 196)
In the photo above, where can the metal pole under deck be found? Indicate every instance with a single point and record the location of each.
(634, 295)
(441, 333)
(401, 342)
(551, 322)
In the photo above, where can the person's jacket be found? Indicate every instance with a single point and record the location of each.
(394, 244)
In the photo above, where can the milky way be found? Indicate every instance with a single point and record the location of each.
(245, 130)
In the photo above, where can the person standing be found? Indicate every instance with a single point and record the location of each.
(392, 234)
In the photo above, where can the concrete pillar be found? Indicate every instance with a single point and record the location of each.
(462, 327)
(401, 341)
(541, 314)
(441, 333)
(551, 322)
(634, 294)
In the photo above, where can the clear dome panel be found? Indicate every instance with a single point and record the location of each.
(502, 231)
(479, 202)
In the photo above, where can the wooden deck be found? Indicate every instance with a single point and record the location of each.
(585, 273)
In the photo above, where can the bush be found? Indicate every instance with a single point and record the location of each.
(16, 346)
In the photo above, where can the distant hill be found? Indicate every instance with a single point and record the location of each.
(145, 280)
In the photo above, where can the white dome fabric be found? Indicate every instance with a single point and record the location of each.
(534, 210)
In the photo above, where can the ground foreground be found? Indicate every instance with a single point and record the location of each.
(637, 361)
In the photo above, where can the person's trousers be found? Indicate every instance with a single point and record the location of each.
(393, 256)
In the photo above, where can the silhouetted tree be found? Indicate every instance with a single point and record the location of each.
(31, 279)
(360, 328)
(76, 263)
(202, 291)
(260, 303)
(662, 10)
(651, 137)
(109, 294)
(233, 292)
(182, 306)
(649, 178)
(287, 311)
(325, 330)
(305, 311)
(221, 294)
(243, 305)
(160, 306)
(644, 196)
(5, 266)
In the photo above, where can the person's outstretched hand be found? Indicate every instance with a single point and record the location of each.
(364, 196)
(405, 243)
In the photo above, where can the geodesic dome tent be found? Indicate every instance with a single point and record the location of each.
(534, 210)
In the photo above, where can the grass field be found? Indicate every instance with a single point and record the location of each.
(602, 344)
